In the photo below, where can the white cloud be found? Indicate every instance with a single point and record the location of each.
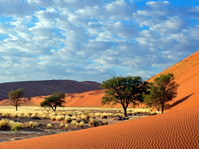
(92, 40)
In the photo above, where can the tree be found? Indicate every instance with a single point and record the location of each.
(124, 90)
(162, 90)
(15, 96)
(53, 101)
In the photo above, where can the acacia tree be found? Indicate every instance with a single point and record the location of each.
(53, 101)
(15, 96)
(162, 90)
(124, 90)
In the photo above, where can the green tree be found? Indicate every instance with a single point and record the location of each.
(162, 90)
(53, 101)
(124, 90)
(15, 96)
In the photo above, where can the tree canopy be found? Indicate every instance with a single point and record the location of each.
(15, 96)
(124, 90)
(53, 101)
(162, 90)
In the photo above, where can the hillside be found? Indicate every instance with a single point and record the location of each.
(178, 128)
(42, 88)
(187, 76)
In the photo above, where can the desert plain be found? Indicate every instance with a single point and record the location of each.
(178, 128)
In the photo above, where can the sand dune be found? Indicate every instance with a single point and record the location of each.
(177, 130)
(85, 99)
(186, 75)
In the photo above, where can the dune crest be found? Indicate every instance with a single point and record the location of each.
(186, 75)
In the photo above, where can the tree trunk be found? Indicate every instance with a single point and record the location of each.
(54, 109)
(162, 107)
(16, 104)
(125, 112)
(16, 107)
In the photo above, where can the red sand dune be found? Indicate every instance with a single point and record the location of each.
(85, 99)
(174, 130)
(187, 76)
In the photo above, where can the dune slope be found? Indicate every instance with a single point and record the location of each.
(186, 75)
(177, 130)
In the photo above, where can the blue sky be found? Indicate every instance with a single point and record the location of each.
(94, 39)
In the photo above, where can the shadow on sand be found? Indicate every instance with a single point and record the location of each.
(179, 101)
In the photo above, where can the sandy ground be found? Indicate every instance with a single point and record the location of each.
(174, 130)
(187, 76)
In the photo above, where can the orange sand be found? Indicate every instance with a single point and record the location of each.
(187, 76)
(174, 130)
(177, 129)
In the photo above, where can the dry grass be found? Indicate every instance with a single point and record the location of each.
(69, 117)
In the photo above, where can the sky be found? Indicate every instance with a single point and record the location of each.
(94, 39)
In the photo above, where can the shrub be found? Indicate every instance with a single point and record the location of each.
(95, 123)
(68, 119)
(49, 125)
(74, 122)
(33, 124)
(105, 122)
(81, 124)
(16, 126)
(66, 126)
(6, 124)
(61, 125)
(59, 117)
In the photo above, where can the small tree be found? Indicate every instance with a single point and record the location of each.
(53, 101)
(15, 96)
(162, 90)
(124, 90)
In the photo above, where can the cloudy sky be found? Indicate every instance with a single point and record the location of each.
(94, 39)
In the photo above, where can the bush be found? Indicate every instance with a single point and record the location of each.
(68, 119)
(66, 126)
(61, 125)
(81, 124)
(74, 122)
(6, 124)
(49, 125)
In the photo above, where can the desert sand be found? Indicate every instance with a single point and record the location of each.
(176, 129)
(186, 75)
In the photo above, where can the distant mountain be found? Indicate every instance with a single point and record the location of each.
(42, 88)
(186, 75)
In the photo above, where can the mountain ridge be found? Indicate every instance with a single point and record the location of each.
(46, 87)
